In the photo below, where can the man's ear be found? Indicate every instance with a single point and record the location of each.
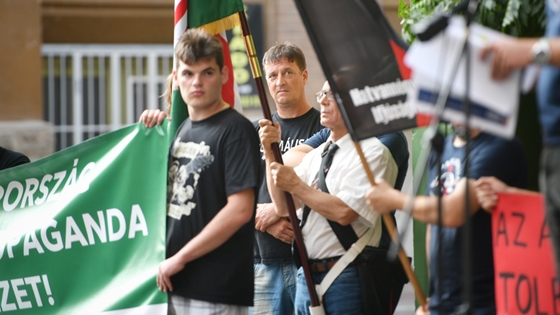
(305, 76)
(225, 75)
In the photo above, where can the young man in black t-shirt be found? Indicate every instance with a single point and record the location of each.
(212, 182)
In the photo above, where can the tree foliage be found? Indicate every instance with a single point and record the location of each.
(519, 18)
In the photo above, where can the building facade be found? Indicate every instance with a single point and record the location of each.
(45, 43)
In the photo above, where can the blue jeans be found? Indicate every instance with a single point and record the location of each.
(275, 289)
(344, 297)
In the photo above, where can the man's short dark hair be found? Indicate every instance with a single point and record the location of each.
(196, 44)
(289, 51)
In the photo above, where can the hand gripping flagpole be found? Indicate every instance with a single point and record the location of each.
(316, 308)
(388, 220)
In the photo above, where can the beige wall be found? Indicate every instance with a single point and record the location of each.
(107, 21)
(26, 24)
(20, 60)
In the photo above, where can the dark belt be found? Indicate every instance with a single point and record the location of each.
(323, 265)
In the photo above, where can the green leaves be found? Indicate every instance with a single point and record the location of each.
(521, 18)
(512, 11)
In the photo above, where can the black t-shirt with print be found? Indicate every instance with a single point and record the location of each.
(489, 156)
(210, 160)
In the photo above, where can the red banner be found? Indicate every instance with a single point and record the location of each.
(526, 282)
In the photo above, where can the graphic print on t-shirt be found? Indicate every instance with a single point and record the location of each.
(189, 160)
(451, 171)
(285, 145)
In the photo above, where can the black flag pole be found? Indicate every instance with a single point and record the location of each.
(257, 76)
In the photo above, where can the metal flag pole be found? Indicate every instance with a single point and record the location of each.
(388, 220)
(257, 75)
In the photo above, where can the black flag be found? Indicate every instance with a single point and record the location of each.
(362, 57)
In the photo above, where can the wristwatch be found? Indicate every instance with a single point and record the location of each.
(541, 52)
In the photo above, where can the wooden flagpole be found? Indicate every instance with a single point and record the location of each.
(257, 75)
(388, 220)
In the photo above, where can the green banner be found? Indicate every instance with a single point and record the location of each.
(82, 231)
(202, 12)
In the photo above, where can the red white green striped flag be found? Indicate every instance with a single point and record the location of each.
(216, 17)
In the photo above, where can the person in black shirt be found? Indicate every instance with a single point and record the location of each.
(488, 156)
(213, 178)
(275, 271)
(9, 158)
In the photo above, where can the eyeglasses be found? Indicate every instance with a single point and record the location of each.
(322, 94)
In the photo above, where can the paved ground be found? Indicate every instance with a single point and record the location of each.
(406, 303)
